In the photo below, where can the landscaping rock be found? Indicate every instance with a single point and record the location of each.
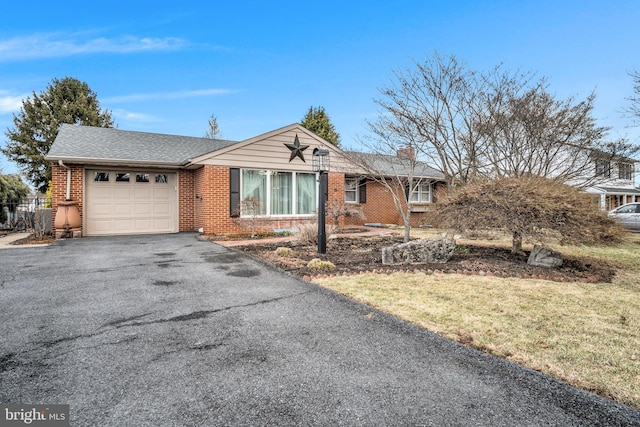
(421, 250)
(545, 257)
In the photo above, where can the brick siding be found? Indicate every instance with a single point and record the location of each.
(203, 201)
(380, 208)
(212, 209)
(186, 201)
(59, 187)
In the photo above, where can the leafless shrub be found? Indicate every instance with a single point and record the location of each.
(250, 211)
(337, 208)
(33, 222)
(308, 233)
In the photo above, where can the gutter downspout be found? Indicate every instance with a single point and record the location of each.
(68, 194)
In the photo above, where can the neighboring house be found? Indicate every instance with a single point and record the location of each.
(613, 182)
(129, 182)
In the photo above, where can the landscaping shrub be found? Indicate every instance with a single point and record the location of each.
(284, 252)
(320, 265)
(529, 208)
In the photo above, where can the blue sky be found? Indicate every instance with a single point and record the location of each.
(260, 65)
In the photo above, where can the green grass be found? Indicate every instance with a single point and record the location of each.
(586, 334)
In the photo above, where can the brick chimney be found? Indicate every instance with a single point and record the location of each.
(407, 153)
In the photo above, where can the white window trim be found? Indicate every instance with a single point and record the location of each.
(603, 168)
(420, 193)
(629, 167)
(356, 190)
(294, 193)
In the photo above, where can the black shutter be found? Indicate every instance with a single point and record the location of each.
(362, 191)
(434, 192)
(234, 192)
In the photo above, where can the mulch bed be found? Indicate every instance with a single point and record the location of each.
(31, 240)
(364, 254)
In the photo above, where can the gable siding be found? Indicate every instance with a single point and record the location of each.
(271, 153)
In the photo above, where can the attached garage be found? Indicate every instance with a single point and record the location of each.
(130, 202)
(127, 182)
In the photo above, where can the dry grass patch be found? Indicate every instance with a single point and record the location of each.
(584, 334)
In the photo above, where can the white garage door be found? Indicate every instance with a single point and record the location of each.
(130, 202)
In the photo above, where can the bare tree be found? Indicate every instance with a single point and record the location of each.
(633, 111)
(535, 134)
(432, 113)
(469, 124)
(213, 130)
(400, 173)
(439, 108)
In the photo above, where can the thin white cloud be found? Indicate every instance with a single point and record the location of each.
(10, 104)
(56, 45)
(135, 117)
(137, 97)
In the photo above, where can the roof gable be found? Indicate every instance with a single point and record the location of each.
(272, 135)
(270, 151)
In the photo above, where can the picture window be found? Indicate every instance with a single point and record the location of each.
(278, 192)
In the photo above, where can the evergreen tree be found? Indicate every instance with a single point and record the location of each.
(36, 125)
(317, 121)
(12, 192)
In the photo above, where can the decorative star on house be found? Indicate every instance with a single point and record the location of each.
(296, 149)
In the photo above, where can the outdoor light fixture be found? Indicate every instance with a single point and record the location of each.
(321, 160)
(321, 165)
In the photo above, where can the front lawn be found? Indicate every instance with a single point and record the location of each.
(586, 334)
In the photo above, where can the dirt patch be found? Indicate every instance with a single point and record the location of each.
(364, 254)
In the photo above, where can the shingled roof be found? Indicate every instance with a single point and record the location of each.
(617, 190)
(388, 165)
(94, 144)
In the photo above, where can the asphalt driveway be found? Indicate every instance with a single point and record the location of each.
(170, 330)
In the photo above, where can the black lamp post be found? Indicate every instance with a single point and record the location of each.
(321, 165)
